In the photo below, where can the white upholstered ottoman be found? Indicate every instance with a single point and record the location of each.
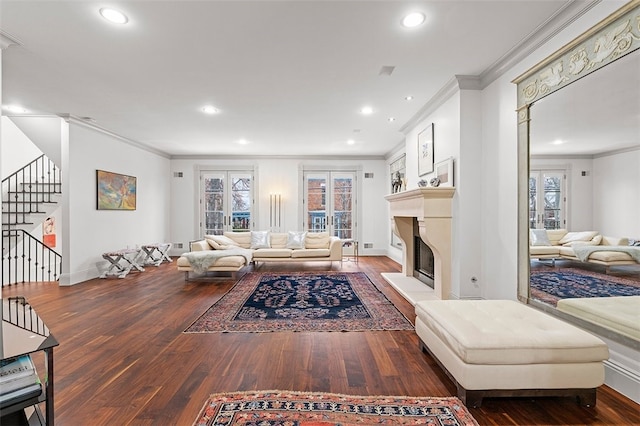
(505, 348)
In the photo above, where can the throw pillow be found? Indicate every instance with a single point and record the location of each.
(539, 237)
(260, 239)
(295, 240)
(317, 240)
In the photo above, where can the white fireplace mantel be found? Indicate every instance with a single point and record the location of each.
(431, 207)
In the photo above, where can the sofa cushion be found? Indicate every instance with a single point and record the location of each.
(306, 252)
(242, 239)
(227, 261)
(272, 252)
(295, 240)
(578, 236)
(317, 240)
(577, 243)
(610, 256)
(278, 240)
(220, 242)
(615, 241)
(260, 239)
(543, 250)
(539, 237)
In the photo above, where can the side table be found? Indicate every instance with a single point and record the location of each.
(153, 258)
(128, 257)
(348, 242)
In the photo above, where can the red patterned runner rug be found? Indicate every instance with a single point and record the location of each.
(302, 301)
(278, 408)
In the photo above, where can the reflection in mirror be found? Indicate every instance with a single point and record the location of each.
(584, 198)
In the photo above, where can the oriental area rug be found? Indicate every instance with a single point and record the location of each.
(271, 408)
(303, 301)
(564, 283)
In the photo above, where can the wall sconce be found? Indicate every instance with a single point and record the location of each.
(275, 212)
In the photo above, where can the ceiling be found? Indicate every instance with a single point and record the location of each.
(288, 77)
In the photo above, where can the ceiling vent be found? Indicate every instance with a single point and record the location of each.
(386, 70)
(177, 174)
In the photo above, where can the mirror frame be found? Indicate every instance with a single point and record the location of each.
(579, 58)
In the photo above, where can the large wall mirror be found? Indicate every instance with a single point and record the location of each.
(579, 182)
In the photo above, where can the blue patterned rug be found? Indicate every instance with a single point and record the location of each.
(327, 301)
(551, 285)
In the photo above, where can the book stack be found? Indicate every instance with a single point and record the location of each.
(19, 380)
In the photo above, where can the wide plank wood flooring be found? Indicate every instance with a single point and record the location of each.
(123, 358)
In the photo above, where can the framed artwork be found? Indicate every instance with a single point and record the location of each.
(444, 172)
(425, 151)
(115, 191)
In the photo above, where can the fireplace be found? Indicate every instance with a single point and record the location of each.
(423, 264)
(422, 219)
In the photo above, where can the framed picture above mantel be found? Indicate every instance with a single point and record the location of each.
(425, 151)
(115, 191)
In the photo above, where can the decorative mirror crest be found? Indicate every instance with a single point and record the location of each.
(614, 37)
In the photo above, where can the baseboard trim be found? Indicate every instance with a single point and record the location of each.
(622, 380)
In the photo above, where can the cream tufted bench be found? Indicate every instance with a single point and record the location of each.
(505, 348)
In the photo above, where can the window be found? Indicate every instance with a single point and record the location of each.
(226, 201)
(329, 200)
(547, 200)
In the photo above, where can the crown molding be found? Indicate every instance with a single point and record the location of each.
(457, 83)
(546, 31)
(277, 157)
(83, 123)
(7, 40)
(541, 35)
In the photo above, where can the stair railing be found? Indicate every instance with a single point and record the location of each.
(28, 259)
(32, 185)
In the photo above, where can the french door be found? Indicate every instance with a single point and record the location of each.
(329, 203)
(226, 201)
(547, 199)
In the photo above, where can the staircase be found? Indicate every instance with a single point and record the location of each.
(29, 196)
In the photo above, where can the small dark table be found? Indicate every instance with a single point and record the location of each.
(24, 333)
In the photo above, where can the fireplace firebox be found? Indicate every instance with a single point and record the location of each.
(423, 263)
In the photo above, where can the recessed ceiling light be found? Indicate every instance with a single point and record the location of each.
(114, 16)
(243, 142)
(16, 108)
(366, 110)
(408, 98)
(413, 19)
(557, 142)
(391, 119)
(209, 109)
(351, 142)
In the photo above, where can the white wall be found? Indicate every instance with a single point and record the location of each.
(616, 187)
(92, 232)
(283, 176)
(44, 132)
(17, 150)
(462, 140)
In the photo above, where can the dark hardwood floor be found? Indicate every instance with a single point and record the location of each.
(123, 359)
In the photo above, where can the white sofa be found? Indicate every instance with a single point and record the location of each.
(265, 246)
(560, 244)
